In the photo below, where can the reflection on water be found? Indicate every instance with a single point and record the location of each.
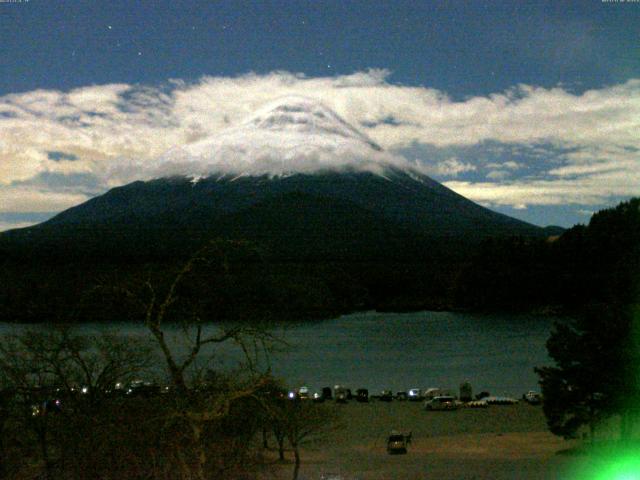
(399, 351)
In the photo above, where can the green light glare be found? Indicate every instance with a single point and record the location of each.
(624, 466)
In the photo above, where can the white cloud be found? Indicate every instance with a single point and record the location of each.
(584, 190)
(451, 167)
(6, 225)
(37, 199)
(509, 165)
(497, 174)
(110, 128)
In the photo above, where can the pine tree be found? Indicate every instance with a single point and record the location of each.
(597, 353)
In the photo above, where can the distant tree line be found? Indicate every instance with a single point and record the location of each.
(500, 273)
(586, 264)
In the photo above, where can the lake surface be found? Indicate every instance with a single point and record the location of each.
(399, 351)
(421, 350)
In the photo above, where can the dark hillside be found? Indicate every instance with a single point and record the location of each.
(331, 242)
(596, 263)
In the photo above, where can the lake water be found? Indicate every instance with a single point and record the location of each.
(421, 350)
(399, 351)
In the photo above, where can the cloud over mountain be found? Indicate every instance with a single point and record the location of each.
(111, 133)
(292, 134)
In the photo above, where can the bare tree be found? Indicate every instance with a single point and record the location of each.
(299, 422)
(189, 300)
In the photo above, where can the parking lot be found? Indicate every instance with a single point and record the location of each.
(498, 442)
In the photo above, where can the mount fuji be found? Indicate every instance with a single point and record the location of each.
(291, 135)
(293, 174)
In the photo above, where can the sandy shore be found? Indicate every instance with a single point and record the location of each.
(500, 442)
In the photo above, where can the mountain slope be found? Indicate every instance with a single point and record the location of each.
(329, 207)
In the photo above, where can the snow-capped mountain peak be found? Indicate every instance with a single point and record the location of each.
(304, 115)
(290, 135)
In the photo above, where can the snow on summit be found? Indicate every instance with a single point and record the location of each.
(287, 136)
(305, 116)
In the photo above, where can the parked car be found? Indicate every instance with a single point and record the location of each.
(532, 398)
(396, 443)
(401, 396)
(430, 393)
(341, 394)
(415, 394)
(140, 388)
(326, 393)
(386, 396)
(483, 394)
(441, 403)
(362, 395)
(303, 393)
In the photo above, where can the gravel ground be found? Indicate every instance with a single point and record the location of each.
(499, 442)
